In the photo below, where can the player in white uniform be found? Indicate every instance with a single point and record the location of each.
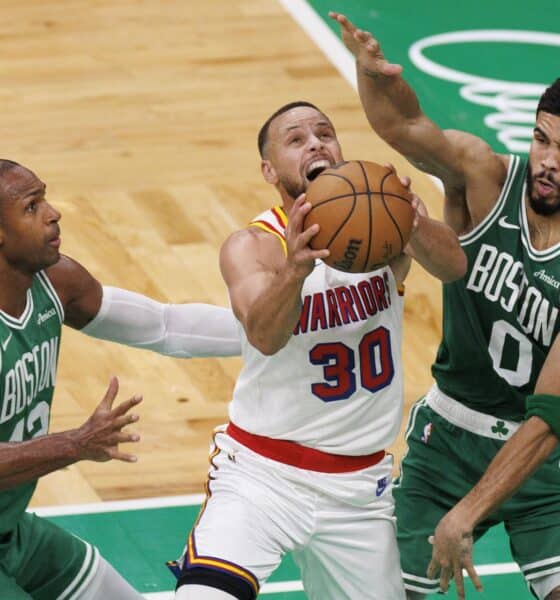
(301, 467)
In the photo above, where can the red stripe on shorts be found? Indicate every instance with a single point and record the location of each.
(300, 456)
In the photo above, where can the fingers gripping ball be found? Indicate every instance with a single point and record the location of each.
(364, 212)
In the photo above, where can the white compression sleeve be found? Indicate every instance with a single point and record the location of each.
(182, 330)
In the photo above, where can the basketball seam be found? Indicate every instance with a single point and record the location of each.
(388, 211)
(347, 218)
(370, 211)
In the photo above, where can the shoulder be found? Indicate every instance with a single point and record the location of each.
(70, 279)
(249, 240)
(477, 157)
(249, 250)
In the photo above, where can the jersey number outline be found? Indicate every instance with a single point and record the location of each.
(501, 332)
(339, 361)
(39, 413)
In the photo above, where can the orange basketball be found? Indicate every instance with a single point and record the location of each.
(364, 212)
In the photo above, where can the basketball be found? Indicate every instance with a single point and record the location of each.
(364, 212)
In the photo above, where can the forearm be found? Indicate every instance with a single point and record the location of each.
(182, 330)
(435, 246)
(394, 113)
(21, 462)
(390, 104)
(272, 316)
(527, 449)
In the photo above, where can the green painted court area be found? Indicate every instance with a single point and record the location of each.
(478, 42)
(138, 542)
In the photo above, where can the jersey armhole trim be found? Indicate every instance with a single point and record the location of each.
(270, 229)
(485, 224)
(51, 292)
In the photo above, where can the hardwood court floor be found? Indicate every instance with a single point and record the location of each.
(141, 116)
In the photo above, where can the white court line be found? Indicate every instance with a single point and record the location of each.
(497, 569)
(329, 43)
(119, 505)
(297, 586)
(277, 587)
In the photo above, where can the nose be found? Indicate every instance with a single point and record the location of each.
(315, 142)
(551, 160)
(53, 215)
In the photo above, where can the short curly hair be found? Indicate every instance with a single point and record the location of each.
(550, 100)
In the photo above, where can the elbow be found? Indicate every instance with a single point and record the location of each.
(457, 268)
(263, 337)
(268, 347)
(267, 344)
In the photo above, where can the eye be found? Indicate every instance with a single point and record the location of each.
(295, 140)
(31, 207)
(539, 137)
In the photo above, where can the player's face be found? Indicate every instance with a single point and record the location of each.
(543, 175)
(302, 142)
(29, 230)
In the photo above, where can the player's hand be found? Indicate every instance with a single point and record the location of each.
(452, 552)
(99, 437)
(300, 256)
(419, 207)
(365, 48)
(420, 211)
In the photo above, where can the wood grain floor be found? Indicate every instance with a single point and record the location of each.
(141, 116)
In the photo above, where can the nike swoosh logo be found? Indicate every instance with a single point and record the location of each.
(503, 223)
(6, 342)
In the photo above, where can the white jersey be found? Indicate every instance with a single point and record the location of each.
(337, 385)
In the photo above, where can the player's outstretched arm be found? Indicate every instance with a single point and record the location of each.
(181, 330)
(392, 107)
(393, 110)
(97, 439)
(265, 284)
(520, 456)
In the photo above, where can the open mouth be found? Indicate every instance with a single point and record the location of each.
(316, 168)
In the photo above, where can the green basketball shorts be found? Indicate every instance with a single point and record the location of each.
(41, 561)
(447, 455)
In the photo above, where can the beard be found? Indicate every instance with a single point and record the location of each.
(294, 188)
(542, 205)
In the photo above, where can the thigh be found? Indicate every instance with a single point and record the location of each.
(443, 462)
(353, 551)
(47, 561)
(254, 515)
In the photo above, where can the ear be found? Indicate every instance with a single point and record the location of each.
(269, 172)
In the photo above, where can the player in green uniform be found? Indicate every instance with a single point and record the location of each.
(499, 323)
(41, 290)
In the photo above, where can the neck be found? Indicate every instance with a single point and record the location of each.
(544, 229)
(13, 291)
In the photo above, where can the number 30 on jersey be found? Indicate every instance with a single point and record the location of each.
(373, 361)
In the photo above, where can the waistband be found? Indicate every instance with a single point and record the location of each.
(302, 457)
(466, 418)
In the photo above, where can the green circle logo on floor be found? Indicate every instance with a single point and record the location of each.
(513, 103)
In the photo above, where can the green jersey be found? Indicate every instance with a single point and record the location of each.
(500, 320)
(28, 358)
